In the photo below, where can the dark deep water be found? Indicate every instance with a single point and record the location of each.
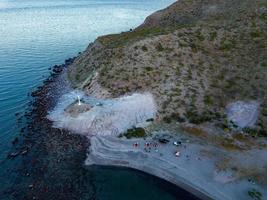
(35, 35)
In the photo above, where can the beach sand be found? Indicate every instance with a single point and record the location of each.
(192, 170)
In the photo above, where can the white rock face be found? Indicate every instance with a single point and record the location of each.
(112, 118)
(242, 113)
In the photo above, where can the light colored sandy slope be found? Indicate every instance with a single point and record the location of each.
(194, 170)
(112, 117)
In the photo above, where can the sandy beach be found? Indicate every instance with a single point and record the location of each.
(192, 170)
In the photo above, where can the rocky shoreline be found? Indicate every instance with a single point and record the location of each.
(44, 151)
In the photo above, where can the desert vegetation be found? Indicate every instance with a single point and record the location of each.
(194, 64)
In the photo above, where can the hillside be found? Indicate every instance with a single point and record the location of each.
(195, 57)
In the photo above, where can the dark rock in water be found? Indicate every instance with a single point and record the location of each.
(13, 155)
(27, 114)
(24, 151)
(57, 70)
(68, 61)
(15, 141)
(34, 94)
(30, 127)
(47, 81)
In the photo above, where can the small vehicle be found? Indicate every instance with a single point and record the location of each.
(163, 141)
(178, 143)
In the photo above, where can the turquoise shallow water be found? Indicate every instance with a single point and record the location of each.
(35, 35)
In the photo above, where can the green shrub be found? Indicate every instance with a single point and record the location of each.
(223, 125)
(117, 40)
(194, 117)
(263, 17)
(135, 132)
(226, 45)
(250, 131)
(194, 48)
(149, 69)
(262, 132)
(264, 111)
(183, 44)
(173, 117)
(176, 117)
(255, 34)
(208, 100)
(264, 64)
(255, 194)
(167, 119)
(200, 36)
(144, 48)
(159, 47)
(213, 35)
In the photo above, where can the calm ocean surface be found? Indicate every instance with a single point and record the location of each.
(37, 34)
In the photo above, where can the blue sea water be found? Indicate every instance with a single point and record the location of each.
(37, 34)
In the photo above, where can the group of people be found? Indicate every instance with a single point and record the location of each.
(146, 145)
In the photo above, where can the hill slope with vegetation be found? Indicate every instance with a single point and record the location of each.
(195, 57)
